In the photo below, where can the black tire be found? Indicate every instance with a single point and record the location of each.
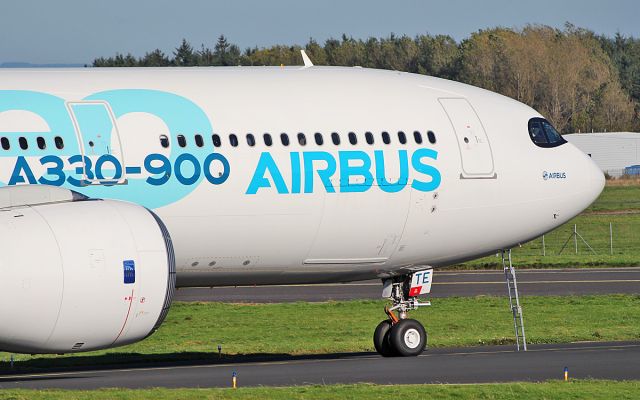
(381, 339)
(408, 338)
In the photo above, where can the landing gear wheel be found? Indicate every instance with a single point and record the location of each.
(381, 339)
(408, 337)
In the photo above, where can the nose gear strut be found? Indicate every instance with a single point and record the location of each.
(399, 335)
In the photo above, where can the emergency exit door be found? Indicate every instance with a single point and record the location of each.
(473, 143)
(99, 141)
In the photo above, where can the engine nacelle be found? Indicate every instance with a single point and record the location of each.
(78, 274)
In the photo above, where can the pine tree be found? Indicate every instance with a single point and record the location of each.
(205, 56)
(155, 59)
(184, 55)
(220, 52)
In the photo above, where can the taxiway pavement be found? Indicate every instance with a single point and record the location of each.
(445, 284)
(615, 360)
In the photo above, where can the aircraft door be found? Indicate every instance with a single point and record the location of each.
(473, 143)
(99, 142)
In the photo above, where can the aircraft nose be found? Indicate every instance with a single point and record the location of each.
(597, 180)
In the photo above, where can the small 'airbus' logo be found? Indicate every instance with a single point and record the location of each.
(553, 175)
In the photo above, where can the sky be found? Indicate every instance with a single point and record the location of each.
(78, 31)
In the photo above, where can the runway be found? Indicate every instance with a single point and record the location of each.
(616, 360)
(445, 284)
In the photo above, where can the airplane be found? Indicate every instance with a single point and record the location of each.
(120, 185)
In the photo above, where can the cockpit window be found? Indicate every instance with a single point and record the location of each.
(543, 134)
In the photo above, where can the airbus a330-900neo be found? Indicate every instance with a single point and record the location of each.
(119, 185)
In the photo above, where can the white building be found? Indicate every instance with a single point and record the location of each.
(613, 152)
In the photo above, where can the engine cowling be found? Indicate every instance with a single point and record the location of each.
(79, 274)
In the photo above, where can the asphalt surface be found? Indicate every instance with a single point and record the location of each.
(445, 284)
(617, 360)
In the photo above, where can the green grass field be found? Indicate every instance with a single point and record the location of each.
(617, 198)
(618, 205)
(584, 389)
(193, 330)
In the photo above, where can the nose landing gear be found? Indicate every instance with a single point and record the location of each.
(399, 335)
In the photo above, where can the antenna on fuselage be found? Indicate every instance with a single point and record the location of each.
(306, 59)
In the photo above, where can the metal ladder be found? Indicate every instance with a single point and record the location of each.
(514, 300)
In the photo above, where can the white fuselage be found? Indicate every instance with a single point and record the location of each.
(298, 213)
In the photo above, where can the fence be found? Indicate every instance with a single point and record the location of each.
(608, 238)
(630, 172)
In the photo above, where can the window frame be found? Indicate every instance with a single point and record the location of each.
(5, 143)
(182, 141)
(267, 139)
(302, 139)
(58, 141)
(368, 137)
(431, 137)
(386, 137)
(251, 140)
(216, 140)
(417, 137)
(549, 144)
(164, 139)
(284, 139)
(335, 138)
(402, 137)
(353, 138)
(233, 140)
(198, 140)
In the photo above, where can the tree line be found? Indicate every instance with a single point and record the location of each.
(581, 81)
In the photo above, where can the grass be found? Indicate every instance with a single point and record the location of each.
(617, 205)
(618, 197)
(582, 389)
(193, 330)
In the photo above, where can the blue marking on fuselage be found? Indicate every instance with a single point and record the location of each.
(179, 114)
(173, 176)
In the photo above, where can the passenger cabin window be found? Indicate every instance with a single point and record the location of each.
(335, 138)
(216, 140)
(353, 139)
(164, 141)
(267, 139)
(284, 138)
(432, 137)
(251, 141)
(5, 143)
(417, 137)
(302, 139)
(402, 138)
(543, 134)
(59, 142)
(368, 136)
(386, 139)
(233, 140)
(182, 141)
(318, 138)
(199, 141)
(24, 145)
(41, 143)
